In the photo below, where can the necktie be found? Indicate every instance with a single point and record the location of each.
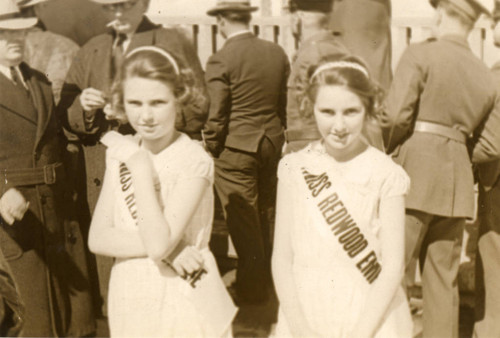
(117, 60)
(14, 75)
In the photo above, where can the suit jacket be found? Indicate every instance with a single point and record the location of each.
(45, 250)
(92, 68)
(443, 82)
(246, 82)
(366, 28)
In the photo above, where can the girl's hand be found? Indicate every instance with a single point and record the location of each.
(188, 261)
(120, 147)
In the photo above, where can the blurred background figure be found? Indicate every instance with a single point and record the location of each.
(48, 52)
(366, 28)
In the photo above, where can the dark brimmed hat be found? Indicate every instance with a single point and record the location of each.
(324, 6)
(471, 8)
(232, 5)
(10, 17)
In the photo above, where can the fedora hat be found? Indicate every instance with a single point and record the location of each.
(231, 5)
(27, 3)
(471, 8)
(10, 17)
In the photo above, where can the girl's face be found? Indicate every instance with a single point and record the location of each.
(340, 115)
(150, 106)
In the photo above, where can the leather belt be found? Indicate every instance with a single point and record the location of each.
(441, 130)
(302, 135)
(32, 176)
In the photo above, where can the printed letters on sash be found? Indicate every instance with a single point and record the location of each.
(326, 198)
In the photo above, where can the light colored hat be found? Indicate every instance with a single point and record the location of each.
(496, 11)
(471, 8)
(10, 16)
(232, 5)
(27, 3)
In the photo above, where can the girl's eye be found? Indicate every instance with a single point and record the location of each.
(157, 103)
(134, 103)
(352, 111)
(327, 111)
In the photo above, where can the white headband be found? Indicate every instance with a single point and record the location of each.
(167, 55)
(340, 64)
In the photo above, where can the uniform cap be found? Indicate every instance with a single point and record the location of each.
(471, 8)
(232, 5)
(27, 3)
(324, 6)
(10, 17)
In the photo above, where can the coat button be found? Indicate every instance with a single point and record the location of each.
(97, 182)
(71, 238)
(43, 199)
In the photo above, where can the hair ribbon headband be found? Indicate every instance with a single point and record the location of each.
(167, 55)
(340, 64)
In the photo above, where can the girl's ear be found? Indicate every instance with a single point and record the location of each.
(306, 107)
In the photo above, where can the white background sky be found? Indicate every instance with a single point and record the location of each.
(401, 8)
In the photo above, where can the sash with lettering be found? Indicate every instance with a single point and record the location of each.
(339, 212)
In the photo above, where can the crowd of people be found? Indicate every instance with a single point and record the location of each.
(334, 176)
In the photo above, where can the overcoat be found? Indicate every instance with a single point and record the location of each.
(442, 82)
(45, 250)
(366, 28)
(92, 68)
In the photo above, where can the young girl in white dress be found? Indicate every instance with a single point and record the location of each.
(338, 250)
(155, 210)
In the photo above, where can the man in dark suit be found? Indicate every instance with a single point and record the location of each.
(39, 236)
(246, 82)
(440, 94)
(87, 89)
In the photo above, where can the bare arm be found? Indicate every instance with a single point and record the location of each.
(161, 231)
(392, 214)
(282, 261)
(106, 239)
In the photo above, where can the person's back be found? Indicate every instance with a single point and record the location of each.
(256, 87)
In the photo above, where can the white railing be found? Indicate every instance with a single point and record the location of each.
(203, 32)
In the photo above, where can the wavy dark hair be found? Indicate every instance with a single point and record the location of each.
(356, 78)
(153, 65)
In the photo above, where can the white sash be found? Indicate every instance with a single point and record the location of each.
(337, 215)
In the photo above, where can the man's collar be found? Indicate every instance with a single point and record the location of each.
(239, 33)
(5, 70)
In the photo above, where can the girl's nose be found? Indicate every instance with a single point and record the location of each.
(339, 123)
(146, 113)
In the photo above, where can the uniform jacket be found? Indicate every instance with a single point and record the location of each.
(51, 54)
(246, 82)
(366, 28)
(313, 50)
(92, 68)
(45, 250)
(443, 82)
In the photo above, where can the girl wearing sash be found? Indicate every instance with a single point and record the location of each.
(338, 250)
(155, 210)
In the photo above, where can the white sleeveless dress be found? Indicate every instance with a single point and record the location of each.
(147, 300)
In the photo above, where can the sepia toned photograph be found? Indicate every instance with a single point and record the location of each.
(250, 168)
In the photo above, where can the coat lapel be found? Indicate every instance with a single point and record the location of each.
(144, 36)
(12, 106)
(41, 95)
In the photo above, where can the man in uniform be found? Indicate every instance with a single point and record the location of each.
(487, 307)
(440, 94)
(88, 84)
(366, 28)
(244, 132)
(39, 236)
(309, 23)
